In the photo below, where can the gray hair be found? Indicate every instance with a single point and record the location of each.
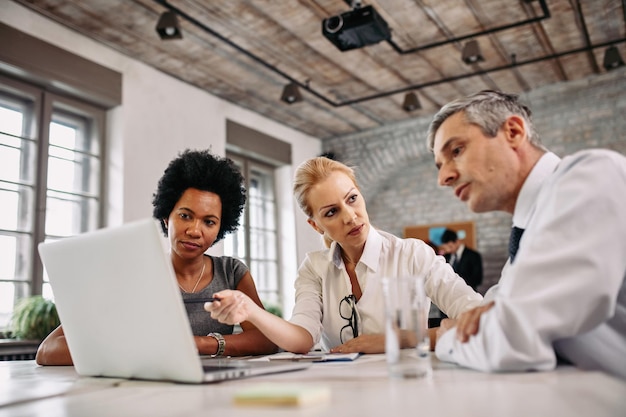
(488, 110)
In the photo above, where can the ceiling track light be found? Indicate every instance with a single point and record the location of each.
(347, 102)
(291, 94)
(471, 53)
(167, 27)
(411, 102)
(612, 58)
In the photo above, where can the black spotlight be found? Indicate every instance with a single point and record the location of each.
(471, 53)
(291, 94)
(411, 102)
(612, 58)
(167, 27)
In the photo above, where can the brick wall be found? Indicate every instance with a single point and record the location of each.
(398, 178)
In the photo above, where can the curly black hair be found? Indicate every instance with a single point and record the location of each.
(204, 171)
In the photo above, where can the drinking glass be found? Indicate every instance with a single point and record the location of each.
(407, 344)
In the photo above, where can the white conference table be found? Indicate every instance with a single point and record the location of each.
(359, 388)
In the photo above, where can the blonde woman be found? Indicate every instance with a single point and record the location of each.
(338, 292)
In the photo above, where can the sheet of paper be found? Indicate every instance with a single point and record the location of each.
(314, 356)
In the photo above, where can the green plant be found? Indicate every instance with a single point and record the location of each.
(34, 318)
(274, 309)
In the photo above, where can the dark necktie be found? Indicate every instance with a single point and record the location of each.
(516, 235)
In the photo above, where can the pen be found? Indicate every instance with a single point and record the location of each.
(201, 300)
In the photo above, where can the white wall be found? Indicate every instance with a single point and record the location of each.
(161, 116)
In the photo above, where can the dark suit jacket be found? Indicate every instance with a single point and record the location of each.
(469, 267)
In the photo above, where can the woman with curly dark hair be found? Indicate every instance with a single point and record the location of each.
(202, 171)
(199, 199)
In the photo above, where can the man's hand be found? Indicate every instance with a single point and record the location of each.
(467, 323)
(444, 326)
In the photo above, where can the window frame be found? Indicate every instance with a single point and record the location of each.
(45, 106)
(247, 164)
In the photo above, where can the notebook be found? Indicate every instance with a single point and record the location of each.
(122, 313)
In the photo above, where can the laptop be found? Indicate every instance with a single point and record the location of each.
(122, 313)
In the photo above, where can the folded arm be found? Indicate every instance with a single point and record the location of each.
(54, 350)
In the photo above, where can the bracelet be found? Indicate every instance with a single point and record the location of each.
(221, 344)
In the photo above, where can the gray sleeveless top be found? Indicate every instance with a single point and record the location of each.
(227, 273)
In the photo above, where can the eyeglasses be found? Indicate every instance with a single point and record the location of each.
(347, 311)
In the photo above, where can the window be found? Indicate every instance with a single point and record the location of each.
(256, 240)
(50, 181)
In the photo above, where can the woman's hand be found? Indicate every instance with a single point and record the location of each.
(367, 343)
(231, 307)
(54, 350)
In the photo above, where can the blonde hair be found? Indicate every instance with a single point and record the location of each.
(310, 173)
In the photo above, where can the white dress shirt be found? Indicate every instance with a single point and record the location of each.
(323, 282)
(456, 256)
(565, 293)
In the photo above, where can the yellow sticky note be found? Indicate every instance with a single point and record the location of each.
(282, 395)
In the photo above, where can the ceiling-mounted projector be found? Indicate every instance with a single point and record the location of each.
(355, 29)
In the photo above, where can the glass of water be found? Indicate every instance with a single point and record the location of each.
(407, 344)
